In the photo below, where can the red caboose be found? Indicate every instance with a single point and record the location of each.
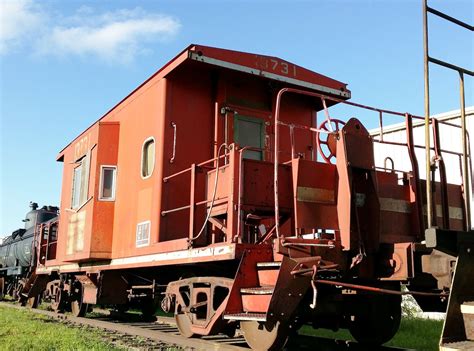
(206, 181)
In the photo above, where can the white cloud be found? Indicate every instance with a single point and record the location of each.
(117, 36)
(17, 19)
(113, 36)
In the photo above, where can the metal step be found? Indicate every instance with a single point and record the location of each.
(268, 273)
(458, 346)
(468, 307)
(269, 264)
(259, 317)
(260, 290)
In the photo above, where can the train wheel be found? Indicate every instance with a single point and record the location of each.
(17, 290)
(376, 319)
(78, 306)
(184, 324)
(259, 337)
(60, 301)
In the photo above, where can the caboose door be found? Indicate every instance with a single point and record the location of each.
(250, 131)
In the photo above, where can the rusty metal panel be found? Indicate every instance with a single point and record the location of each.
(288, 293)
(267, 277)
(314, 191)
(358, 206)
(317, 195)
(397, 211)
(222, 190)
(89, 293)
(358, 145)
(256, 303)
(258, 185)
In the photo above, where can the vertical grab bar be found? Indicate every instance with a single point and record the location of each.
(442, 175)
(174, 142)
(415, 170)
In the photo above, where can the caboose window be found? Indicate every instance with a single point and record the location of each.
(107, 183)
(80, 182)
(148, 157)
(250, 131)
(76, 187)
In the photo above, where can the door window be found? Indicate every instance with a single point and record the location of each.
(250, 131)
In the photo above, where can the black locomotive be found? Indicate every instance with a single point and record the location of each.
(18, 250)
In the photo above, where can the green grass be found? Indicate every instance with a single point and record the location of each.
(24, 330)
(414, 333)
(418, 334)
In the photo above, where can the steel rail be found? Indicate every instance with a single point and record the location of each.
(164, 331)
(148, 330)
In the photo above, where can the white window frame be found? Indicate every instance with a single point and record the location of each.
(84, 163)
(143, 158)
(149, 233)
(101, 183)
(73, 187)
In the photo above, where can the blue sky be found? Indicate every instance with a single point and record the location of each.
(65, 63)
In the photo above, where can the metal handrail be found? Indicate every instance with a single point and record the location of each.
(395, 143)
(461, 71)
(323, 98)
(165, 179)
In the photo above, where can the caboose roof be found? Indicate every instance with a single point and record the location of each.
(268, 67)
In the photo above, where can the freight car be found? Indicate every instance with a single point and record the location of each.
(223, 189)
(18, 250)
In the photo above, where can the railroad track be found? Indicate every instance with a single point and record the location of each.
(163, 334)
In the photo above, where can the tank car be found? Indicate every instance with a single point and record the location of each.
(224, 189)
(18, 250)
